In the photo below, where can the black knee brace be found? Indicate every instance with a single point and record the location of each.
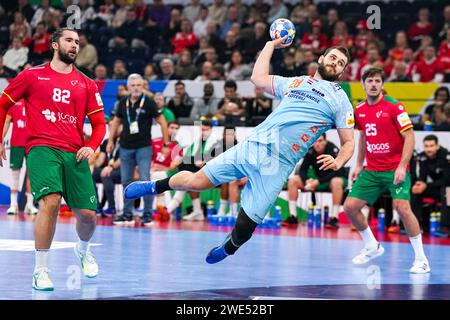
(241, 233)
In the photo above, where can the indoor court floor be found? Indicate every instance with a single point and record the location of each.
(167, 261)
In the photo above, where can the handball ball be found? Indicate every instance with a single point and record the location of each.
(282, 27)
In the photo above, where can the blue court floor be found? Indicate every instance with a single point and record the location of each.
(155, 263)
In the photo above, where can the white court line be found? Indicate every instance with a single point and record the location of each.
(28, 245)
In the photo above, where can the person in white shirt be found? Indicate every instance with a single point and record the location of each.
(16, 56)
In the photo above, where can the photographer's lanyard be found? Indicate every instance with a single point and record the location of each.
(134, 127)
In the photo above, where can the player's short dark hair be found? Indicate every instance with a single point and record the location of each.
(371, 72)
(342, 49)
(431, 137)
(58, 34)
(180, 83)
(230, 84)
(174, 122)
(324, 135)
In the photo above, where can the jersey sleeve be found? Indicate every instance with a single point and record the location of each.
(401, 118)
(344, 116)
(18, 87)
(281, 84)
(95, 103)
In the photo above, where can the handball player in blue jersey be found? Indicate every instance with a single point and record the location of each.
(310, 105)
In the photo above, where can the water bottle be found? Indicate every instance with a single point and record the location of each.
(326, 213)
(178, 214)
(311, 215)
(381, 216)
(210, 208)
(277, 213)
(438, 220)
(214, 121)
(317, 216)
(428, 126)
(432, 222)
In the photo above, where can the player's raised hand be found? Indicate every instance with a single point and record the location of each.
(400, 175)
(2, 154)
(84, 153)
(278, 43)
(328, 162)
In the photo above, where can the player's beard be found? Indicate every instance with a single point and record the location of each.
(64, 57)
(327, 75)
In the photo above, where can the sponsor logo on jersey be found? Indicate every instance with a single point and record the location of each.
(350, 120)
(99, 99)
(318, 92)
(337, 87)
(401, 108)
(403, 119)
(67, 118)
(378, 147)
(362, 115)
(379, 114)
(49, 115)
(42, 78)
(73, 82)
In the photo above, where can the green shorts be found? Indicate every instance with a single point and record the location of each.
(56, 171)
(16, 156)
(371, 184)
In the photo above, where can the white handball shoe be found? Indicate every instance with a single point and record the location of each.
(12, 210)
(41, 280)
(368, 253)
(88, 263)
(30, 209)
(420, 266)
(194, 216)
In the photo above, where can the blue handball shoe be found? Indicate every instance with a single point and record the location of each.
(217, 254)
(139, 189)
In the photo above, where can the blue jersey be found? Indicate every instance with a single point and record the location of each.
(308, 108)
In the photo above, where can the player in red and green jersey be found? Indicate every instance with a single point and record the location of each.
(58, 97)
(17, 117)
(387, 142)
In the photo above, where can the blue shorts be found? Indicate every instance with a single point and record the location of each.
(265, 172)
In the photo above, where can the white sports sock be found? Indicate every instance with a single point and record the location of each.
(197, 205)
(334, 211)
(83, 246)
(233, 209)
(395, 216)
(368, 237)
(29, 200)
(223, 207)
(293, 208)
(15, 175)
(176, 201)
(41, 257)
(416, 243)
(14, 198)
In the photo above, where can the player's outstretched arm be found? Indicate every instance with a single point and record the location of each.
(260, 76)
(346, 136)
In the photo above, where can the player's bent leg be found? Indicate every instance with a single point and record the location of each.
(241, 233)
(420, 264)
(183, 180)
(352, 208)
(372, 248)
(86, 223)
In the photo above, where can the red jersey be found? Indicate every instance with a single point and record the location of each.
(382, 125)
(429, 69)
(183, 41)
(19, 124)
(444, 54)
(56, 106)
(158, 158)
(312, 42)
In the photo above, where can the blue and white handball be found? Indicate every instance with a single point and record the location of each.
(282, 27)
